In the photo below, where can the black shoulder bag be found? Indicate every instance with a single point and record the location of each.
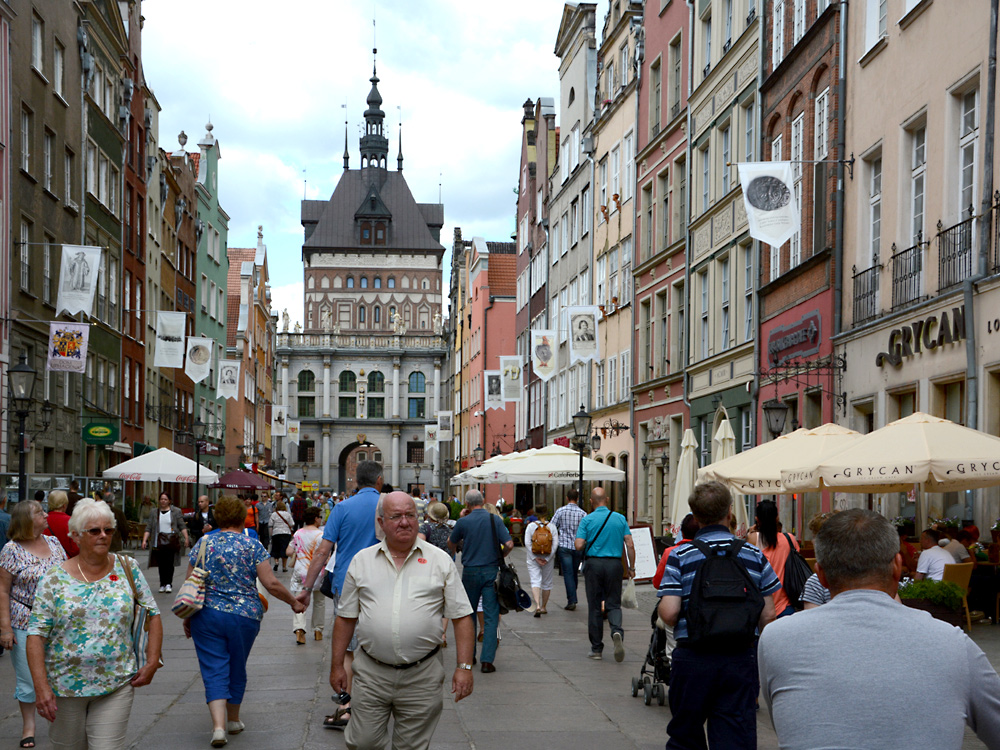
(507, 583)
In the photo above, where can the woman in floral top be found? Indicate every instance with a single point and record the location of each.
(226, 627)
(80, 637)
(23, 561)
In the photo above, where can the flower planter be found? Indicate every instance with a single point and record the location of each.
(937, 611)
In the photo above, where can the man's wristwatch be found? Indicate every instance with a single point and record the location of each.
(464, 666)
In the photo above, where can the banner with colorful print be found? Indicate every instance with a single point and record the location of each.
(68, 347)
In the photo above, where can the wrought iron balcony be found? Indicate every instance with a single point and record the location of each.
(956, 246)
(907, 274)
(866, 292)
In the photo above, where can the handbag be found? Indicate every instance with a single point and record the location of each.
(168, 541)
(507, 585)
(140, 618)
(326, 588)
(191, 596)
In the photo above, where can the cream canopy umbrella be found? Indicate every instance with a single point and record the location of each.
(724, 443)
(479, 474)
(919, 449)
(552, 464)
(161, 465)
(687, 475)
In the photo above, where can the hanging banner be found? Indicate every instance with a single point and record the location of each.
(293, 431)
(430, 437)
(769, 197)
(445, 420)
(78, 278)
(199, 358)
(229, 379)
(544, 345)
(68, 347)
(583, 334)
(511, 378)
(169, 339)
(279, 421)
(493, 387)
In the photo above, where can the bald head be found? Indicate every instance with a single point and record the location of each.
(395, 502)
(598, 497)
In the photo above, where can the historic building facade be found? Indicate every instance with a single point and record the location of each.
(365, 375)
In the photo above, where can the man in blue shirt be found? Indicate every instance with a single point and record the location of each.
(719, 687)
(481, 559)
(349, 529)
(601, 537)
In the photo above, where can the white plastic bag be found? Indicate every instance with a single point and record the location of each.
(629, 599)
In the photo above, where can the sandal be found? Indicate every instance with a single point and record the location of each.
(338, 720)
(28, 741)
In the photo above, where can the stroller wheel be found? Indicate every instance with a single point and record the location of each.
(661, 694)
(647, 693)
(635, 686)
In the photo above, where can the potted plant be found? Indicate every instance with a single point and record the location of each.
(942, 599)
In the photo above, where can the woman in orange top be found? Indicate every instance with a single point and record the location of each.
(775, 547)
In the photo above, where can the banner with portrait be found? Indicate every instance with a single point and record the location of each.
(493, 387)
(228, 385)
(511, 378)
(68, 347)
(769, 197)
(582, 334)
(430, 438)
(78, 279)
(544, 347)
(169, 350)
(199, 358)
(445, 420)
(293, 430)
(279, 421)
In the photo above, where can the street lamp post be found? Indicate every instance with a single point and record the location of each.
(198, 430)
(416, 476)
(581, 430)
(775, 412)
(479, 453)
(21, 382)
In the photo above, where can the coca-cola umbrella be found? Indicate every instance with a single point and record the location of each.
(161, 465)
(241, 480)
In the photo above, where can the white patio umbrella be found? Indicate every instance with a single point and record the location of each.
(161, 465)
(687, 475)
(724, 444)
(552, 464)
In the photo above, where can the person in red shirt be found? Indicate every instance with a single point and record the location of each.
(689, 526)
(59, 522)
(299, 506)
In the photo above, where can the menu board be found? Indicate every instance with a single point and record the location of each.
(645, 553)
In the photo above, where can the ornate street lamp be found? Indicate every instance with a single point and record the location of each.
(479, 453)
(21, 384)
(775, 412)
(581, 431)
(198, 430)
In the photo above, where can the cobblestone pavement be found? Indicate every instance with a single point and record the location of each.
(545, 693)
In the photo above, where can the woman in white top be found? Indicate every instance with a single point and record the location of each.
(540, 552)
(282, 525)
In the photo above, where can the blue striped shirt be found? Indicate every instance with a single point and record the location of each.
(684, 561)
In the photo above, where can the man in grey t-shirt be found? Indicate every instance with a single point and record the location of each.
(830, 676)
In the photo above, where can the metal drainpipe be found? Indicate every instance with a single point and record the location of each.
(971, 363)
(838, 240)
(686, 333)
(635, 216)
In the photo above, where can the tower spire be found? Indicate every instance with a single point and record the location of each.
(374, 144)
(347, 155)
(399, 159)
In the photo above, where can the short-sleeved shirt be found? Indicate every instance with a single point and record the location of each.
(88, 629)
(304, 543)
(399, 610)
(4, 527)
(932, 561)
(231, 560)
(815, 592)
(683, 564)
(567, 520)
(958, 551)
(473, 531)
(351, 527)
(298, 507)
(437, 534)
(606, 543)
(26, 571)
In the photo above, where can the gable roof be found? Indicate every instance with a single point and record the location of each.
(237, 257)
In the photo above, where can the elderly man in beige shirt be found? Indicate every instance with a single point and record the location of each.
(398, 591)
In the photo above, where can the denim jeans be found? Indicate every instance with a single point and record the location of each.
(480, 581)
(569, 561)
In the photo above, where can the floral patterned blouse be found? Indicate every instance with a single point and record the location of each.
(87, 627)
(231, 561)
(26, 570)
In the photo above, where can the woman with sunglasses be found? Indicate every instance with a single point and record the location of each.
(23, 561)
(80, 637)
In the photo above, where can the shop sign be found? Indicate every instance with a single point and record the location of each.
(799, 339)
(929, 333)
(100, 434)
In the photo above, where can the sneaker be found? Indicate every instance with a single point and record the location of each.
(616, 638)
(595, 655)
(162, 589)
(167, 589)
(235, 727)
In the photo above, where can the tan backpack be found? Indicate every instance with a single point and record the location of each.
(541, 540)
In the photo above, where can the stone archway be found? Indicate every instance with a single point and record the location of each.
(347, 463)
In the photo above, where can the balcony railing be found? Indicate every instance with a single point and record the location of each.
(907, 274)
(996, 232)
(956, 246)
(866, 292)
(675, 110)
(359, 341)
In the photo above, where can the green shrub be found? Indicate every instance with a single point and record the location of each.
(943, 593)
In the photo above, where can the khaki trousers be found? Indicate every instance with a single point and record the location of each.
(413, 697)
(94, 723)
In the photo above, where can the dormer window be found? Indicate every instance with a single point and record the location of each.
(366, 233)
(379, 233)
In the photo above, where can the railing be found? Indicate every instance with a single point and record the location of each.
(907, 274)
(866, 292)
(358, 341)
(675, 110)
(996, 233)
(956, 251)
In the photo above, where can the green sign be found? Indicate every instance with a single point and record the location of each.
(100, 434)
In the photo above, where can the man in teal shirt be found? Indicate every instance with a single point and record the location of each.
(601, 537)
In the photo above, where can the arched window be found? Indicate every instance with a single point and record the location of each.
(391, 283)
(361, 314)
(417, 383)
(378, 282)
(376, 382)
(364, 282)
(377, 314)
(307, 381)
(424, 284)
(350, 282)
(348, 382)
(392, 314)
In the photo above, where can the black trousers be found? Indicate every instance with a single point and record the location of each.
(603, 579)
(165, 564)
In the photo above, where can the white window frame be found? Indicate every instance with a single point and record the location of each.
(704, 314)
(777, 144)
(628, 165)
(26, 128)
(726, 138)
(875, 205)
(725, 302)
(821, 125)
(706, 177)
(602, 172)
(798, 138)
(968, 147)
(58, 68)
(612, 380)
(748, 284)
(585, 211)
(616, 176)
(798, 21)
(37, 43)
(778, 33)
(918, 181)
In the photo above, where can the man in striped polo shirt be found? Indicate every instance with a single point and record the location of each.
(567, 521)
(717, 686)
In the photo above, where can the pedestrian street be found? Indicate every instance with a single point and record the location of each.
(545, 695)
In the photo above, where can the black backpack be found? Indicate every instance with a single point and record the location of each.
(725, 604)
(797, 572)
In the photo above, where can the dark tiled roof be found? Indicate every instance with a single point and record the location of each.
(237, 256)
(508, 248)
(335, 227)
(503, 275)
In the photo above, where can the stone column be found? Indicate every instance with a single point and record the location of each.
(286, 446)
(395, 458)
(437, 389)
(395, 393)
(326, 387)
(325, 467)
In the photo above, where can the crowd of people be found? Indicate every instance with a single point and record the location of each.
(737, 631)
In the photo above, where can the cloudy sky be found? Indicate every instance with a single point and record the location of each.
(274, 85)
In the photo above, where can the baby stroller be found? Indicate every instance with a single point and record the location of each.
(654, 675)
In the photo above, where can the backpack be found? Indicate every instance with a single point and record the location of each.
(797, 572)
(541, 540)
(725, 604)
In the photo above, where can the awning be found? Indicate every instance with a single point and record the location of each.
(120, 447)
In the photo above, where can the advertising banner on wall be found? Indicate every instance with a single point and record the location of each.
(78, 278)
(544, 349)
(68, 347)
(769, 196)
(169, 339)
(511, 378)
(583, 334)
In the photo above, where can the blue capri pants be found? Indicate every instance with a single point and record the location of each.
(223, 641)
